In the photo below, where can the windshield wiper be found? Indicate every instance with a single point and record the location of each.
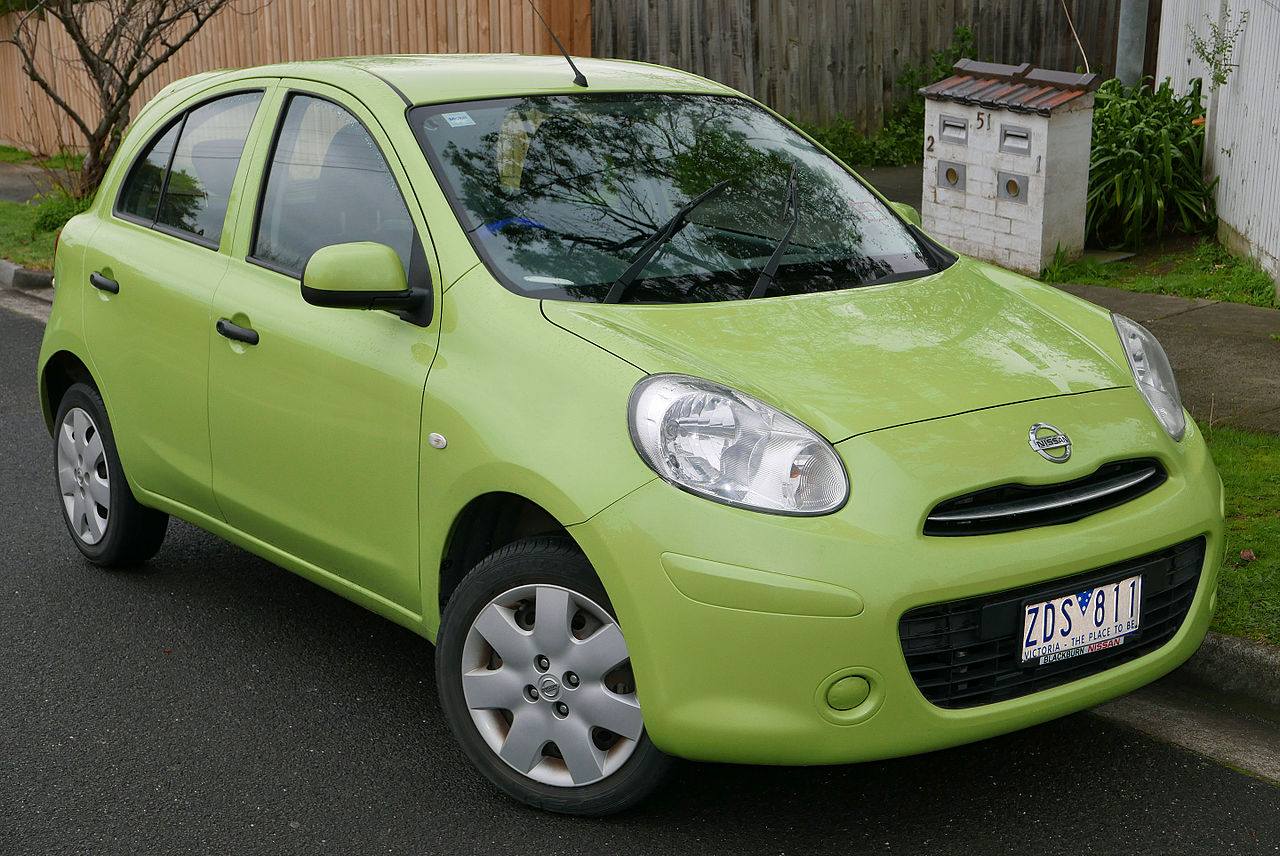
(771, 267)
(668, 231)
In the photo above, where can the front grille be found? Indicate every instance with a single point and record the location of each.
(1011, 507)
(967, 653)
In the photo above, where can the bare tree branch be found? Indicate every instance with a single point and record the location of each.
(118, 44)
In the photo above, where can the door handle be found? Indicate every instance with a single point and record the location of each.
(236, 332)
(101, 283)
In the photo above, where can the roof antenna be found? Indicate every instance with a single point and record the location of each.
(579, 79)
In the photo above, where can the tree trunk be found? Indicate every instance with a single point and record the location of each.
(98, 157)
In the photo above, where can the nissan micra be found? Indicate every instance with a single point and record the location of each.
(673, 436)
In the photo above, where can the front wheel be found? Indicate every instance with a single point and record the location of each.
(535, 680)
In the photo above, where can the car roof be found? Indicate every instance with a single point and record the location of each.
(431, 78)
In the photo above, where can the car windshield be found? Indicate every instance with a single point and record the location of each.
(561, 194)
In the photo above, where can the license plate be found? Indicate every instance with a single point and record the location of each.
(1083, 623)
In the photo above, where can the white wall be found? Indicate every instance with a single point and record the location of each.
(1243, 131)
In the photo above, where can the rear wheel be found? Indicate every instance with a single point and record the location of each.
(535, 680)
(106, 523)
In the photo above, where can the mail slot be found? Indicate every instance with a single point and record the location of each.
(953, 129)
(1015, 140)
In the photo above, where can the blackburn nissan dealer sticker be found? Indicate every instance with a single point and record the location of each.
(1084, 623)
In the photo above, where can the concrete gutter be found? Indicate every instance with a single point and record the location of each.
(1243, 672)
(36, 283)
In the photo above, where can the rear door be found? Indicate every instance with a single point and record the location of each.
(154, 264)
(315, 428)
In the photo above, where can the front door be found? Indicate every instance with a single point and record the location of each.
(314, 428)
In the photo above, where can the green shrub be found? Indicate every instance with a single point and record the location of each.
(1145, 168)
(55, 208)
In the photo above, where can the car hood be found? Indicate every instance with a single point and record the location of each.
(847, 362)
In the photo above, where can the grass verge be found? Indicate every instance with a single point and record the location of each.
(1249, 588)
(20, 240)
(1184, 268)
(8, 154)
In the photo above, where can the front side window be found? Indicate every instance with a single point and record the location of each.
(183, 181)
(327, 184)
(560, 194)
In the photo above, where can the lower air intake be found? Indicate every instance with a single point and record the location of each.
(967, 653)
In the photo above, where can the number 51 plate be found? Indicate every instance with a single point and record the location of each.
(1077, 624)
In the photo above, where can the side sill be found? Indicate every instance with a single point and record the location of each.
(362, 596)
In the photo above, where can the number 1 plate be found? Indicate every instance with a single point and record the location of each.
(1084, 623)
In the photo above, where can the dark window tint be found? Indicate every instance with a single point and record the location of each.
(141, 194)
(327, 184)
(204, 165)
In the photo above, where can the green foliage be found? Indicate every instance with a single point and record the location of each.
(54, 209)
(20, 240)
(1249, 589)
(901, 141)
(64, 160)
(8, 154)
(1215, 51)
(1208, 271)
(1145, 168)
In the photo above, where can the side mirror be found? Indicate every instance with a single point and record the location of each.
(362, 275)
(908, 213)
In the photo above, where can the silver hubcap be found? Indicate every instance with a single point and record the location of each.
(547, 680)
(83, 478)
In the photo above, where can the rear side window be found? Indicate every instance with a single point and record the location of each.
(141, 196)
(183, 182)
(327, 184)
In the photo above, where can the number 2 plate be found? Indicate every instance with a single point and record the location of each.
(1084, 623)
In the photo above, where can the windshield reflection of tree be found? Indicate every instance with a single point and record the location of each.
(599, 178)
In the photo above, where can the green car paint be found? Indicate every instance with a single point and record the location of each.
(315, 450)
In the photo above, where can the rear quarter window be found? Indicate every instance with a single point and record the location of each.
(182, 181)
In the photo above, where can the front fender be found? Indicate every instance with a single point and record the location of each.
(525, 408)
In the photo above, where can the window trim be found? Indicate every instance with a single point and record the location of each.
(154, 224)
(290, 94)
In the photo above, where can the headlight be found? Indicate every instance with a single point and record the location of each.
(715, 442)
(1153, 373)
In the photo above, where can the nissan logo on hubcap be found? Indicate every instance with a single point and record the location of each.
(1050, 443)
(550, 688)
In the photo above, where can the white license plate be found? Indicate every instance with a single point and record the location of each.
(1077, 624)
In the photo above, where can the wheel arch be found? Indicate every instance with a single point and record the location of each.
(485, 524)
(59, 373)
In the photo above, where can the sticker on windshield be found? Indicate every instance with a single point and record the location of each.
(458, 120)
(870, 211)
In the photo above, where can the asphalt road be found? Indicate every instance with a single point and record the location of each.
(212, 703)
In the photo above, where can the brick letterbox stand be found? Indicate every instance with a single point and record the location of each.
(1006, 162)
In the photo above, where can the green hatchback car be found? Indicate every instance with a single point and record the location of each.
(670, 432)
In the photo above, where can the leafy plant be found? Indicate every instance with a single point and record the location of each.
(1145, 168)
(1215, 51)
(901, 141)
(55, 208)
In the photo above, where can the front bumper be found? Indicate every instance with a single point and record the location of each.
(739, 622)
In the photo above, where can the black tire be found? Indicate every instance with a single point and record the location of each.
(128, 533)
(557, 563)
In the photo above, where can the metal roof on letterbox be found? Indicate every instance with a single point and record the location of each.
(1018, 88)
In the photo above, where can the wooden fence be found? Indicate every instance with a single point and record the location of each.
(255, 32)
(1243, 119)
(818, 59)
